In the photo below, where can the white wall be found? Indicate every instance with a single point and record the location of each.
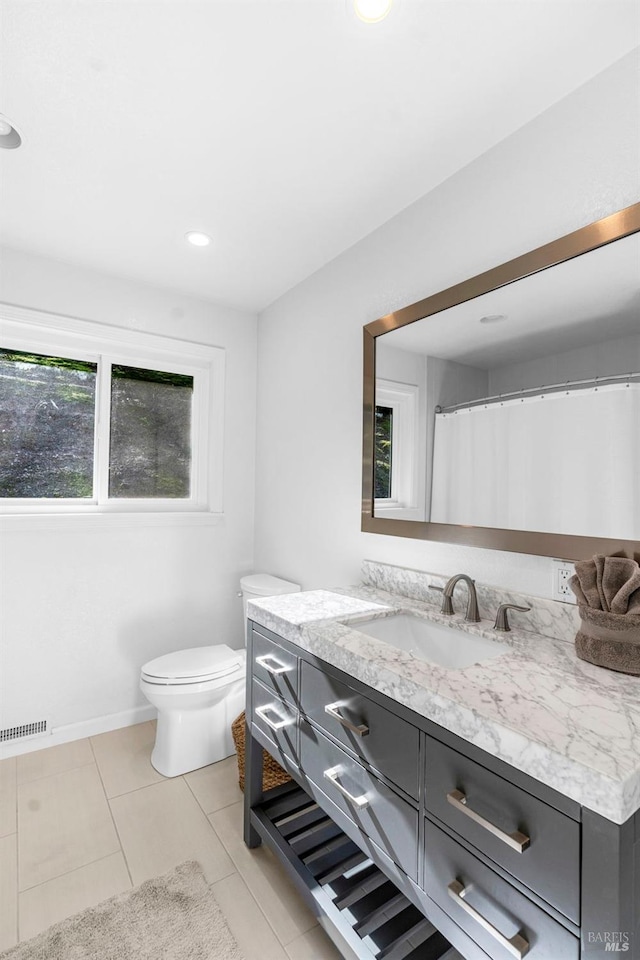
(83, 606)
(575, 163)
(608, 358)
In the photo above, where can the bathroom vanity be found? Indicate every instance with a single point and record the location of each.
(412, 824)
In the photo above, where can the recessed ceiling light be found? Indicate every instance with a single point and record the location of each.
(372, 11)
(493, 318)
(9, 136)
(197, 239)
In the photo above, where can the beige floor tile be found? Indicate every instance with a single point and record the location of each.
(281, 903)
(246, 921)
(8, 820)
(46, 763)
(314, 945)
(57, 899)
(216, 786)
(123, 758)
(161, 826)
(63, 823)
(8, 892)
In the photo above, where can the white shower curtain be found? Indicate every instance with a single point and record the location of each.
(565, 462)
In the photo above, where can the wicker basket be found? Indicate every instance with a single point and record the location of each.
(272, 773)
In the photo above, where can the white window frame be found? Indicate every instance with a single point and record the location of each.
(403, 400)
(54, 335)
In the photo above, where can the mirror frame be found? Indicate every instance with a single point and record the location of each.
(614, 227)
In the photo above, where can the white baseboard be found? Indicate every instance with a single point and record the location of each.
(78, 731)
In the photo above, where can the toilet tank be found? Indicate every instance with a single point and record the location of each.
(258, 585)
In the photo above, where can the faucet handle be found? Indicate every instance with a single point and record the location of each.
(502, 621)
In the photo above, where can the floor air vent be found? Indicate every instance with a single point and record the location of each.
(35, 729)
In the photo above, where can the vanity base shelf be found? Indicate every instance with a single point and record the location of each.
(369, 917)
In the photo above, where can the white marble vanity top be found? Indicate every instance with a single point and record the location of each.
(567, 723)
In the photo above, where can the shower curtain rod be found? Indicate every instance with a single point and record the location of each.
(549, 388)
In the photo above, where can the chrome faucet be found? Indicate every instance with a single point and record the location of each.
(472, 614)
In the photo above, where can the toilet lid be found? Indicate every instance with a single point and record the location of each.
(264, 585)
(195, 665)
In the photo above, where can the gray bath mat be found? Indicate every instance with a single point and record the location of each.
(174, 917)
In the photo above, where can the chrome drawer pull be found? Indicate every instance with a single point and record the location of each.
(516, 840)
(279, 667)
(281, 722)
(516, 945)
(332, 775)
(360, 729)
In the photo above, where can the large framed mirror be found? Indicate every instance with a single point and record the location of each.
(504, 412)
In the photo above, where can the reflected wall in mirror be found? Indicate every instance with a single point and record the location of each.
(516, 409)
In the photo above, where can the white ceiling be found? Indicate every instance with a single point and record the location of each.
(286, 129)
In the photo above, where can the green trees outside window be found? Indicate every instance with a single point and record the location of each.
(48, 411)
(383, 453)
(47, 426)
(150, 443)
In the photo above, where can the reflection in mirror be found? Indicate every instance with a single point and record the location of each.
(524, 409)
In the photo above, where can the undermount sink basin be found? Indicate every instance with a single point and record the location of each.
(434, 642)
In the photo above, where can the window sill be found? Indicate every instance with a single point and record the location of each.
(18, 522)
(397, 511)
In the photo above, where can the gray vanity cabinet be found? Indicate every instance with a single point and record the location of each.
(276, 719)
(407, 840)
(501, 919)
(275, 667)
(375, 808)
(379, 737)
(532, 840)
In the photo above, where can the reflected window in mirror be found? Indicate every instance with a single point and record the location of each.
(399, 464)
(384, 451)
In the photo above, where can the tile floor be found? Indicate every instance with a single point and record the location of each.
(85, 820)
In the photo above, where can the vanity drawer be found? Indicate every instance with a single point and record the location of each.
(374, 808)
(275, 667)
(487, 811)
(277, 720)
(385, 741)
(488, 908)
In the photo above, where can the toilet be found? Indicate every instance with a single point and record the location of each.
(199, 692)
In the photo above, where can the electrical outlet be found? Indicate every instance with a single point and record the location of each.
(560, 589)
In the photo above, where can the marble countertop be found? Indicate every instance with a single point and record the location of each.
(567, 723)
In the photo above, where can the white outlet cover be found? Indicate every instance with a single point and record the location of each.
(562, 570)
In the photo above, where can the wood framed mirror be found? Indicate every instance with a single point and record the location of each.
(504, 412)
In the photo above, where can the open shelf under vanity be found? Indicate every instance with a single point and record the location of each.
(361, 905)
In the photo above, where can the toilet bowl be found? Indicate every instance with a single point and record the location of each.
(199, 692)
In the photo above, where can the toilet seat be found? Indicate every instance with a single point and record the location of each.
(195, 665)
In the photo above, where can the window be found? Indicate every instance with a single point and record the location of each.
(150, 443)
(47, 415)
(398, 485)
(384, 433)
(130, 422)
